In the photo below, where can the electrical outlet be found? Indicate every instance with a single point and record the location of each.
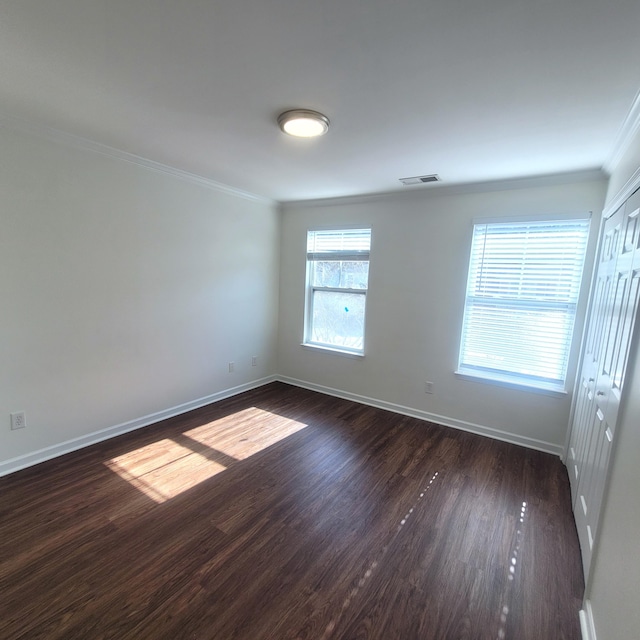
(18, 420)
(232, 366)
(254, 361)
(428, 387)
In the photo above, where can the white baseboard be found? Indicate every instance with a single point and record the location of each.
(496, 434)
(586, 622)
(35, 457)
(29, 459)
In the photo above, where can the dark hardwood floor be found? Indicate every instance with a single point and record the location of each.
(285, 514)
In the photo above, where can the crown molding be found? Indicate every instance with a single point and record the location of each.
(439, 190)
(433, 190)
(626, 134)
(84, 144)
(628, 188)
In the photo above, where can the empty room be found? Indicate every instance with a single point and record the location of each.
(319, 320)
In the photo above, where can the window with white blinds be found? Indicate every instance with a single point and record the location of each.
(337, 282)
(522, 292)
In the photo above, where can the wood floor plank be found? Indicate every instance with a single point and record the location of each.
(286, 514)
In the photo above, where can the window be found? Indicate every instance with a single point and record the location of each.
(522, 292)
(337, 279)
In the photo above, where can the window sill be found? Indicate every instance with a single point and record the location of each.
(510, 384)
(336, 350)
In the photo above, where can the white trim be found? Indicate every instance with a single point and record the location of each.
(336, 350)
(354, 226)
(587, 626)
(35, 457)
(496, 434)
(536, 217)
(583, 339)
(30, 459)
(438, 189)
(627, 132)
(508, 383)
(627, 189)
(78, 142)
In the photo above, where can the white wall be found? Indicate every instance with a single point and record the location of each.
(614, 583)
(124, 291)
(419, 259)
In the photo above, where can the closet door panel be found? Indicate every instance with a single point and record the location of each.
(612, 325)
(600, 322)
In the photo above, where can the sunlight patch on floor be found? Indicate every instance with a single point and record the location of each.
(245, 433)
(373, 566)
(513, 562)
(164, 469)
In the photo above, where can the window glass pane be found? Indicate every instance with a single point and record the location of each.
(352, 274)
(338, 319)
(339, 260)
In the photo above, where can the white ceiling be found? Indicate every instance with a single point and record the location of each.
(473, 90)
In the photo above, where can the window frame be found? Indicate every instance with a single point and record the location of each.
(512, 379)
(311, 288)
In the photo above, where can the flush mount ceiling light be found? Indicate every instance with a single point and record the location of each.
(303, 123)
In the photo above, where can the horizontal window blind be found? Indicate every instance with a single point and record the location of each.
(522, 292)
(347, 244)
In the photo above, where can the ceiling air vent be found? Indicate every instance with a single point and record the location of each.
(420, 179)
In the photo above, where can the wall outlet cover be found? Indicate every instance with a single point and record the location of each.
(18, 420)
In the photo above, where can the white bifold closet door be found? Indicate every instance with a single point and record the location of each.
(612, 320)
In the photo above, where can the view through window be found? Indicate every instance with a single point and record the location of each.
(337, 282)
